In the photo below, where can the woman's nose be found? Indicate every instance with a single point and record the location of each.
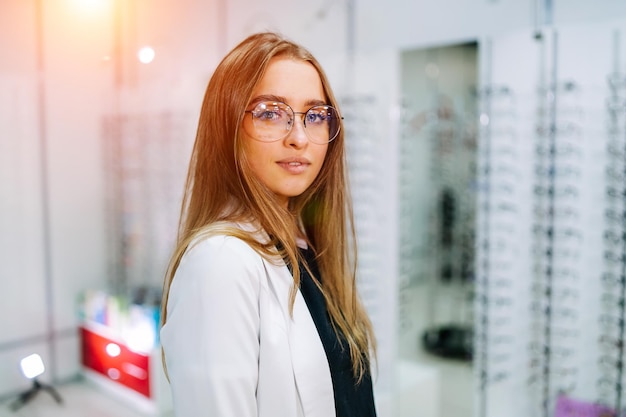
(297, 136)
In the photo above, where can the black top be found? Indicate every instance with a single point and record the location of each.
(351, 399)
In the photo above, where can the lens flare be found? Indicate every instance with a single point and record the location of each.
(146, 55)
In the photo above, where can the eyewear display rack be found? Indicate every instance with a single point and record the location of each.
(611, 355)
(437, 195)
(557, 237)
(551, 257)
(145, 160)
(360, 112)
(451, 134)
(500, 233)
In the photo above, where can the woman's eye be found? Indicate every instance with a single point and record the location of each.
(269, 115)
(315, 118)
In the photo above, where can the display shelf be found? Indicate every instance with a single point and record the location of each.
(135, 377)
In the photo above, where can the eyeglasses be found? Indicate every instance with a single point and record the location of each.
(273, 120)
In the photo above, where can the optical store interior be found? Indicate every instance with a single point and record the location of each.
(486, 147)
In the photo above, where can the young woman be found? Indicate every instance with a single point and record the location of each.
(261, 316)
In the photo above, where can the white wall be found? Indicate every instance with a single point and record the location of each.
(38, 302)
(76, 87)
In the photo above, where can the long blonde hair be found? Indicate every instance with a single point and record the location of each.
(221, 189)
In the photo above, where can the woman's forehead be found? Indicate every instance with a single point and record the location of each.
(294, 82)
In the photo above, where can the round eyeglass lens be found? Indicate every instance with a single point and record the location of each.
(271, 120)
(322, 124)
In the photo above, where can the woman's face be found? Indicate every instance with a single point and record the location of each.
(290, 165)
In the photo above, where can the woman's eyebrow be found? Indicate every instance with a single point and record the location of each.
(268, 97)
(315, 102)
(272, 97)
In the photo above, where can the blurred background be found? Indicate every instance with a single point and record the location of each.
(486, 147)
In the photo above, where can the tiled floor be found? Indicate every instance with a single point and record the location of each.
(82, 399)
(85, 400)
(79, 400)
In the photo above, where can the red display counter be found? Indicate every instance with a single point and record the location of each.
(135, 377)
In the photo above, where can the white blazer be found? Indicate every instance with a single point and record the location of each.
(231, 347)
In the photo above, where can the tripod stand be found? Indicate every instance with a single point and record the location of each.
(28, 395)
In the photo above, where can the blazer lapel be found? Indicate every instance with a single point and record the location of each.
(308, 358)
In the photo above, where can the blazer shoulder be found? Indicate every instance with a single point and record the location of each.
(222, 252)
(220, 243)
(219, 265)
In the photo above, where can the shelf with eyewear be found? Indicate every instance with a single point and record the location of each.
(363, 129)
(611, 355)
(436, 265)
(144, 166)
(551, 233)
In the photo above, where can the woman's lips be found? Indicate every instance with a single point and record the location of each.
(294, 165)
